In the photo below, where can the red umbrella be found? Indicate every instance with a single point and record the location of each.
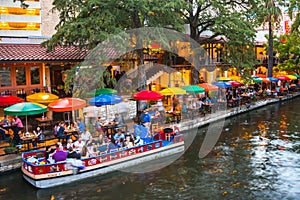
(66, 104)
(9, 100)
(147, 95)
(283, 78)
(261, 75)
(235, 83)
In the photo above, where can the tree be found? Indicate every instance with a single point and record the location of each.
(229, 23)
(269, 13)
(294, 14)
(289, 52)
(89, 23)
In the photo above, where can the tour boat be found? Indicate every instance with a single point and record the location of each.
(42, 175)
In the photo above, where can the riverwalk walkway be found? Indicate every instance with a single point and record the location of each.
(12, 162)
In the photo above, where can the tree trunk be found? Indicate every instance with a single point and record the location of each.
(270, 51)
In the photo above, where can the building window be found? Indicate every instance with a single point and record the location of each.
(20, 76)
(35, 75)
(5, 77)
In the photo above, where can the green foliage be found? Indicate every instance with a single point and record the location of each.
(231, 23)
(289, 52)
(295, 14)
(87, 23)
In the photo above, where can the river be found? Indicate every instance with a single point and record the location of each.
(256, 157)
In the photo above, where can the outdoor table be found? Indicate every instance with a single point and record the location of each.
(44, 122)
(108, 127)
(71, 132)
(28, 139)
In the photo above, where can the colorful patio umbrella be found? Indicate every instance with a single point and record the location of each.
(24, 109)
(104, 100)
(257, 80)
(296, 75)
(100, 91)
(291, 77)
(172, 91)
(193, 89)
(66, 104)
(147, 95)
(221, 84)
(272, 79)
(235, 83)
(265, 80)
(224, 79)
(208, 87)
(42, 97)
(8, 100)
(261, 75)
(235, 78)
(283, 78)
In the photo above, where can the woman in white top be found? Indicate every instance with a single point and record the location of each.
(86, 135)
(78, 145)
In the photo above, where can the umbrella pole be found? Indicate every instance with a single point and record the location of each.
(106, 112)
(26, 125)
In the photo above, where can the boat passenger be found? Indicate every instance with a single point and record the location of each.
(73, 154)
(78, 145)
(119, 135)
(129, 142)
(86, 135)
(111, 145)
(85, 152)
(70, 144)
(138, 141)
(60, 155)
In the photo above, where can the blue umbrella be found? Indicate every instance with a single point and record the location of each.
(104, 100)
(272, 79)
(222, 84)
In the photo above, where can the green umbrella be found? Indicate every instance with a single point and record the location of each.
(194, 89)
(24, 109)
(100, 91)
(296, 75)
(257, 80)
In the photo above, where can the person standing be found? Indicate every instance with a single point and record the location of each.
(17, 126)
(80, 125)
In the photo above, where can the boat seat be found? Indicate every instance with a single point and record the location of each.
(131, 152)
(103, 156)
(113, 154)
(123, 153)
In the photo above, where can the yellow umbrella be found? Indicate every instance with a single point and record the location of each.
(291, 77)
(224, 79)
(42, 97)
(235, 78)
(172, 91)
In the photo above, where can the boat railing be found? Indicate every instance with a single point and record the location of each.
(42, 167)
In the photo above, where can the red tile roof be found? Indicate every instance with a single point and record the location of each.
(34, 52)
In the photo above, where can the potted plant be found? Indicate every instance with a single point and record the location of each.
(10, 149)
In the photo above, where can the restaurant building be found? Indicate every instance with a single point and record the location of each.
(25, 66)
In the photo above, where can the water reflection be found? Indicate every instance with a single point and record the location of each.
(256, 157)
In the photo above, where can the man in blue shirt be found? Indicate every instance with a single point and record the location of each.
(118, 136)
(80, 125)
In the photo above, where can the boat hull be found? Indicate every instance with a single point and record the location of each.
(60, 178)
